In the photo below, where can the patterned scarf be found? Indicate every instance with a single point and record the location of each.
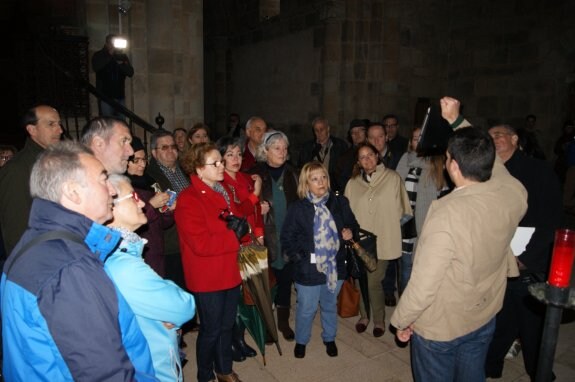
(326, 240)
(217, 187)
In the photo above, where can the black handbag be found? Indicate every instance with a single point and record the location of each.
(356, 260)
(408, 230)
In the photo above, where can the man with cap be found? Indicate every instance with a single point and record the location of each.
(356, 134)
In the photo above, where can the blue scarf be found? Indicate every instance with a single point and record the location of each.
(326, 240)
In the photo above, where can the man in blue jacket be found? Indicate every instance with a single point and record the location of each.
(62, 318)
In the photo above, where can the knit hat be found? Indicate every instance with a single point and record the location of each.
(137, 144)
(358, 123)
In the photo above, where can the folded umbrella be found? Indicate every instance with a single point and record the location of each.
(253, 263)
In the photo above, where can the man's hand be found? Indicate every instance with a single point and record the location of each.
(404, 335)
(449, 109)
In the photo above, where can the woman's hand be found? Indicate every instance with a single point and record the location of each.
(265, 206)
(159, 200)
(346, 234)
(257, 184)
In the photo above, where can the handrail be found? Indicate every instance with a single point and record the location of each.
(112, 102)
(134, 118)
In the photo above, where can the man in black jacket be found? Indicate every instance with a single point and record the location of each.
(112, 66)
(522, 316)
(324, 148)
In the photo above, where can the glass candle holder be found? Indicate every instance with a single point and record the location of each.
(562, 261)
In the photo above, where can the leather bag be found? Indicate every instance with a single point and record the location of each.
(348, 300)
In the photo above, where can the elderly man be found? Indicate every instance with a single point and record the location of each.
(522, 316)
(255, 129)
(109, 139)
(62, 318)
(43, 125)
(325, 148)
(165, 169)
(462, 261)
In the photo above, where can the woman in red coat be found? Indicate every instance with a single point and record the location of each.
(209, 257)
(245, 190)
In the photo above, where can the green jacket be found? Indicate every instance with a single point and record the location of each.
(15, 200)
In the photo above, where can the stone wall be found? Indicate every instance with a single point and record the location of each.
(508, 59)
(367, 58)
(166, 51)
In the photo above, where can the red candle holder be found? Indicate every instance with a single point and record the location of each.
(562, 261)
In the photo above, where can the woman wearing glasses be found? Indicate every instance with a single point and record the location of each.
(160, 305)
(209, 256)
(157, 221)
(245, 190)
(279, 189)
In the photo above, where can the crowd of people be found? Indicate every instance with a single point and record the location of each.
(111, 248)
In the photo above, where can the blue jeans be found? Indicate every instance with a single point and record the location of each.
(308, 297)
(459, 360)
(405, 266)
(217, 311)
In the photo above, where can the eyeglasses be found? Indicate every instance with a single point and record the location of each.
(388, 126)
(134, 195)
(217, 163)
(5, 158)
(168, 147)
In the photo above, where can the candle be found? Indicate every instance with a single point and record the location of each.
(562, 261)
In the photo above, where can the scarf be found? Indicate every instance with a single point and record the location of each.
(222, 191)
(326, 240)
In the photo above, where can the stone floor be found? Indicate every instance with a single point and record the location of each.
(365, 358)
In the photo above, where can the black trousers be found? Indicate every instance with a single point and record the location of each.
(522, 316)
(284, 280)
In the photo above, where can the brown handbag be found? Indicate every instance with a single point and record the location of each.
(348, 299)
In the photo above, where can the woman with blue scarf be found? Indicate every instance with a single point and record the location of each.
(312, 238)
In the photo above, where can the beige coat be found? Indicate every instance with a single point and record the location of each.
(463, 259)
(378, 207)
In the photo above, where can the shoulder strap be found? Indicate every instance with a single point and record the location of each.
(46, 236)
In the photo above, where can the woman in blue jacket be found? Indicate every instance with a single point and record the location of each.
(312, 237)
(160, 305)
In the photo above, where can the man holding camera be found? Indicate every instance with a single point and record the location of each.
(112, 66)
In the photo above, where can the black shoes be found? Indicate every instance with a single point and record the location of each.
(299, 351)
(390, 299)
(378, 332)
(330, 348)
